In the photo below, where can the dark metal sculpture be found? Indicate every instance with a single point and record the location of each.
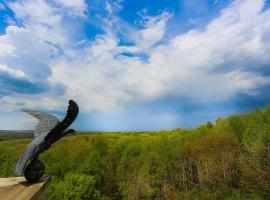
(48, 131)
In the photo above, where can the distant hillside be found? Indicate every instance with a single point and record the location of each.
(8, 134)
(19, 134)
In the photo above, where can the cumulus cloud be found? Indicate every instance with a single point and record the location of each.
(37, 11)
(216, 62)
(16, 81)
(77, 7)
(22, 50)
(13, 72)
(44, 20)
(2, 6)
(22, 123)
(154, 29)
(113, 6)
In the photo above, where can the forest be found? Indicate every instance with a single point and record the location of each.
(228, 159)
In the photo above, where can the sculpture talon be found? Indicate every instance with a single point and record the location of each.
(48, 131)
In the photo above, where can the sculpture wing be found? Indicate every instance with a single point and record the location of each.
(46, 122)
(72, 113)
(28, 154)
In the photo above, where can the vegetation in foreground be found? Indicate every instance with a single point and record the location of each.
(228, 160)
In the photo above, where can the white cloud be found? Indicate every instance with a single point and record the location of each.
(12, 72)
(154, 30)
(6, 49)
(77, 7)
(22, 122)
(18, 101)
(113, 6)
(23, 51)
(37, 11)
(215, 63)
(44, 21)
(2, 6)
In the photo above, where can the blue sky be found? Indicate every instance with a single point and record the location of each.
(133, 65)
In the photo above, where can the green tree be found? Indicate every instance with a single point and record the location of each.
(75, 187)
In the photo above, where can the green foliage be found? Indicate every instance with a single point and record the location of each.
(236, 126)
(75, 187)
(226, 160)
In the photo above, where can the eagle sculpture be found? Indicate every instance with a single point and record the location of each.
(48, 131)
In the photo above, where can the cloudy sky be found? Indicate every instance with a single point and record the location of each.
(133, 64)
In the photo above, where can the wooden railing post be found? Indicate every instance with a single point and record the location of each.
(17, 188)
